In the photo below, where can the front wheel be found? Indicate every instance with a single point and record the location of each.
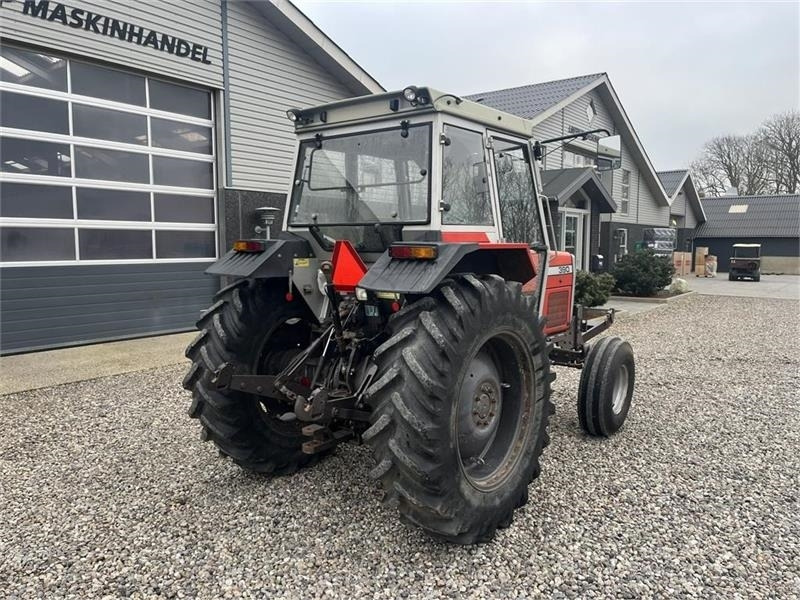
(606, 388)
(461, 401)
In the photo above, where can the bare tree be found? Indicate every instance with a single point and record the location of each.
(742, 160)
(765, 162)
(709, 180)
(780, 135)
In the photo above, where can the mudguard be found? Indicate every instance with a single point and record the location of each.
(404, 276)
(275, 261)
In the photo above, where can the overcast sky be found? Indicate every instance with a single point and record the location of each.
(684, 71)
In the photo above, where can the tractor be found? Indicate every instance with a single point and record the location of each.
(414, 300)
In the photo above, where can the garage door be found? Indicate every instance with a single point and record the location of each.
(108, 211)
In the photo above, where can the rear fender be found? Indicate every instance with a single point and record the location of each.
(277, 260)
(280, 260)
(513, 262)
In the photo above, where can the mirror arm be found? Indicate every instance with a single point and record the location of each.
(572, 136)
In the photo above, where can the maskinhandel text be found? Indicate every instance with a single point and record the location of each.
(78, 18)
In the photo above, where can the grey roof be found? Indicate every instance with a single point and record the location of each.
(765, 217)
(562, 183)
(529, 100)
(671, 180)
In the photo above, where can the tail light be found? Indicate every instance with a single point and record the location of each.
(414, 252)
(249, 246)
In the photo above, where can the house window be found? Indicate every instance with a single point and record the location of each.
(100, 164)
(573, 159)
(625, 202)
(591, 111)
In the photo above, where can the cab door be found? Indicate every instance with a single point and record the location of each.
(517, 202)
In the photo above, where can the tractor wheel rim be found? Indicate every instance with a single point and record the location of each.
(493, 407)
(620, 392)
(293, 333)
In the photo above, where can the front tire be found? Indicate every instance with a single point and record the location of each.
(253, 327)
(461, 401)
(606, 388)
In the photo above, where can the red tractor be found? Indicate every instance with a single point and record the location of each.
(413, 301)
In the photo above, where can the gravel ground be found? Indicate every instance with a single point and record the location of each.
(107, 490)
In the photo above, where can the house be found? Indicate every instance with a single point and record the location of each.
(605, 213)
(686, 210)
(137, 140)
(772, 221)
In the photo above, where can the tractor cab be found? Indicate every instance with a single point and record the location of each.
(421, 166)
(745, 262)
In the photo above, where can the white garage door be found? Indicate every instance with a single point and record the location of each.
(101, 166)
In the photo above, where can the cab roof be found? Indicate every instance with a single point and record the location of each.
(391, 105)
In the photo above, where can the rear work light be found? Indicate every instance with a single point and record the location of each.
(414, 252)
(248, 246)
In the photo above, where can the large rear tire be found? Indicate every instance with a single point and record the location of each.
(253, 327)
(461, 401)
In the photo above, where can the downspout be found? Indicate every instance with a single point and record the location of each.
(638, 192)
(226, 93)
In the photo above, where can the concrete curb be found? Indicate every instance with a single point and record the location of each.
(650, 300)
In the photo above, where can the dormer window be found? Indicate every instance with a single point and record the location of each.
(591, 112)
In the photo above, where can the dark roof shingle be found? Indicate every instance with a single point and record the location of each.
(765, 216)
(671, 180)
(562, 183)
(527, 101)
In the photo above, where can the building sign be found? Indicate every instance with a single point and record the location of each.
(78, 18)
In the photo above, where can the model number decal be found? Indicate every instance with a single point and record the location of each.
(561, 270)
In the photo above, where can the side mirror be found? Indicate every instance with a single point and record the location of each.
(609, 153)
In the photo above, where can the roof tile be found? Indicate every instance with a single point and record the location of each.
(671, 180)
(766, 216)
(527, 101)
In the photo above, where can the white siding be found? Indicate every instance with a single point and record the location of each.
(196, 22)
(268, 75)
(643, 207)
(691, 216)
(549, 128)
(649, 211)
(679, 204)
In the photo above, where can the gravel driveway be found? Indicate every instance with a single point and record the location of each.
(107, 490)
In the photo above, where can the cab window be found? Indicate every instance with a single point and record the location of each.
(516, 193)
(465, 189)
